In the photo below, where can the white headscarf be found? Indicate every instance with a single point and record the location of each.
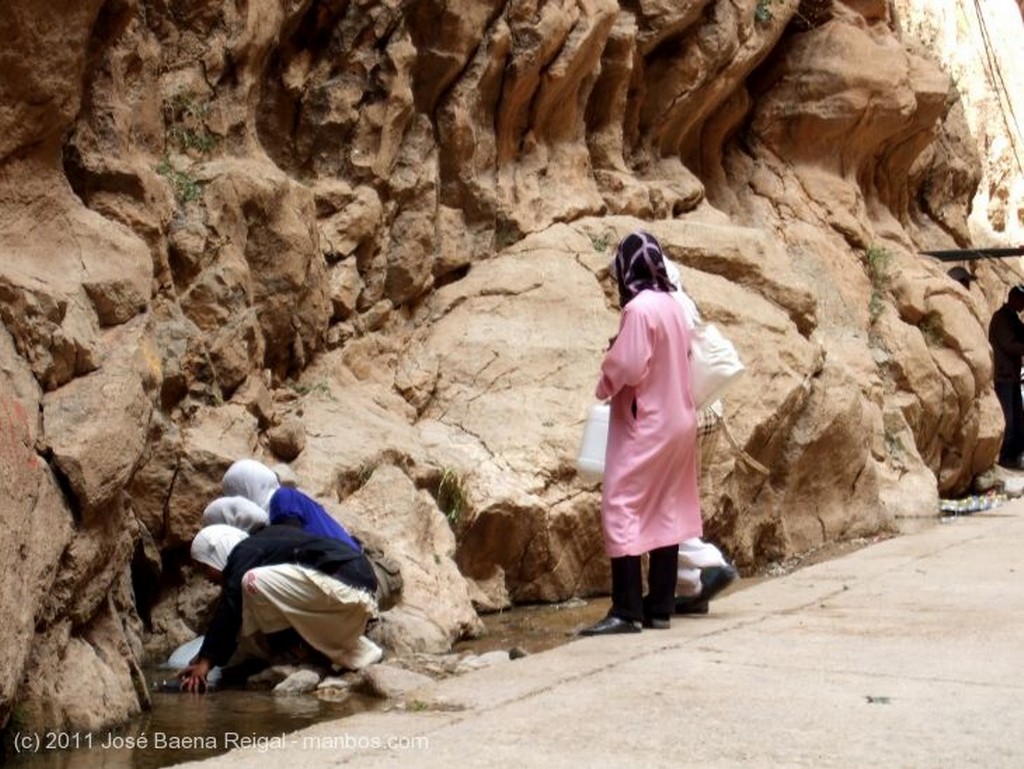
(252, 480)
(239, 512)
(213, 544)
(690, 311)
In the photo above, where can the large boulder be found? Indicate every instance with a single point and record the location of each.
(435, 608)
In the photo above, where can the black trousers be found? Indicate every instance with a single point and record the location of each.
(628, 600)
(1009, 396)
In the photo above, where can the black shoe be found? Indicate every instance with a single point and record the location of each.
(654, 620)
(611, 625)
(691, 604)
(713, 580)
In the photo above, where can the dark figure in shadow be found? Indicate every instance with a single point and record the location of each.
(1006, 335)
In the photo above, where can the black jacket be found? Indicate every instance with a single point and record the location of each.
(1006, 335)
(271, 546)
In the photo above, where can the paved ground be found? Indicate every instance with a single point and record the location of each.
(908, 653)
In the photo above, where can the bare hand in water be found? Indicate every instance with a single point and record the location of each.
(193, 678)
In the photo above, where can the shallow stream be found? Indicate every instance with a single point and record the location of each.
(184, 727)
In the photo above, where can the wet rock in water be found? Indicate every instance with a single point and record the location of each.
(490, 594)
(271, 676)
(388, 682)
(299, 682)
(168, 685)
(572, 603)
(334, 688)
(517, 653)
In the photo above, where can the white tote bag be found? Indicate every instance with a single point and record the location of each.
(714, 364)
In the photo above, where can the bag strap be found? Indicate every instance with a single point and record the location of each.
(744, 457)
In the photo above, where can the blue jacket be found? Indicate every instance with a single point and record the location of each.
(291, 507)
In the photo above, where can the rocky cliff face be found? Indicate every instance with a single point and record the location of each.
(368, 241)
(978, 47)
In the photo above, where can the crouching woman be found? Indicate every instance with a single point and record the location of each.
(280, 578)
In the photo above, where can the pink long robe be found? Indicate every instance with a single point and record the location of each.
(650, 497)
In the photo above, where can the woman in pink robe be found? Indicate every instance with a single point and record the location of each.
(650, 500)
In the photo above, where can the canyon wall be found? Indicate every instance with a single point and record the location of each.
(977, 44)
(366, 241)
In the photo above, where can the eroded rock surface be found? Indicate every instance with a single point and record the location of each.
(367, 242)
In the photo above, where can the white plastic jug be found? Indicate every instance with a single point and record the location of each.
(590, 461)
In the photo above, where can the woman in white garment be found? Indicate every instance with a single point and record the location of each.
(280, 578)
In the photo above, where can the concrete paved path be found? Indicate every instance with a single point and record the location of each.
(907, 653)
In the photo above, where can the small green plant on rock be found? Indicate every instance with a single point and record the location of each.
(875, 305)
(878, 265)
(320, 387)
(451, 496)
(763, 11)
(600, 242)
(186, 118)
(931, 330)
(879, 261)
(895, 448)
(186, 189)
(893, 445)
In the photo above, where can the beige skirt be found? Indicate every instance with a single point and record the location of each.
(330, 615)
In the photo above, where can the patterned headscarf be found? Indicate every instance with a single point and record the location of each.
(240, 512)
(640, 265)
(252, 480)
(213, 544)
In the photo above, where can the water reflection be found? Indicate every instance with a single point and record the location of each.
(535, 628)
(184, 727)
